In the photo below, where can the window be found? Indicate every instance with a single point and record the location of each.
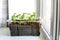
(20, 6)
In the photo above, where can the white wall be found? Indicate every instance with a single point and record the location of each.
(3, 12)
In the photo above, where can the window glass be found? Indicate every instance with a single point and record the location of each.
(20, 6)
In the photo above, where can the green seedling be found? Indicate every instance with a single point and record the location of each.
(18, 15)
(22, 18)
(15, 17)
(32, 17)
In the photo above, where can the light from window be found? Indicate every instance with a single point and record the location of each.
(20, 6)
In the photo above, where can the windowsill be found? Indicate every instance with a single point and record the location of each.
(5, 35)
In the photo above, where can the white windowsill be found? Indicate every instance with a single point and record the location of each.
(5, 35)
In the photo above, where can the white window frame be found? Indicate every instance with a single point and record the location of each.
(54, 33)
(55, 29)
(58, 26)
(44, 32)
(58, 20)
(53, 13)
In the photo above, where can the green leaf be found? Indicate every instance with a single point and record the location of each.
(14, 17)
(22, 16)
(32, 17)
